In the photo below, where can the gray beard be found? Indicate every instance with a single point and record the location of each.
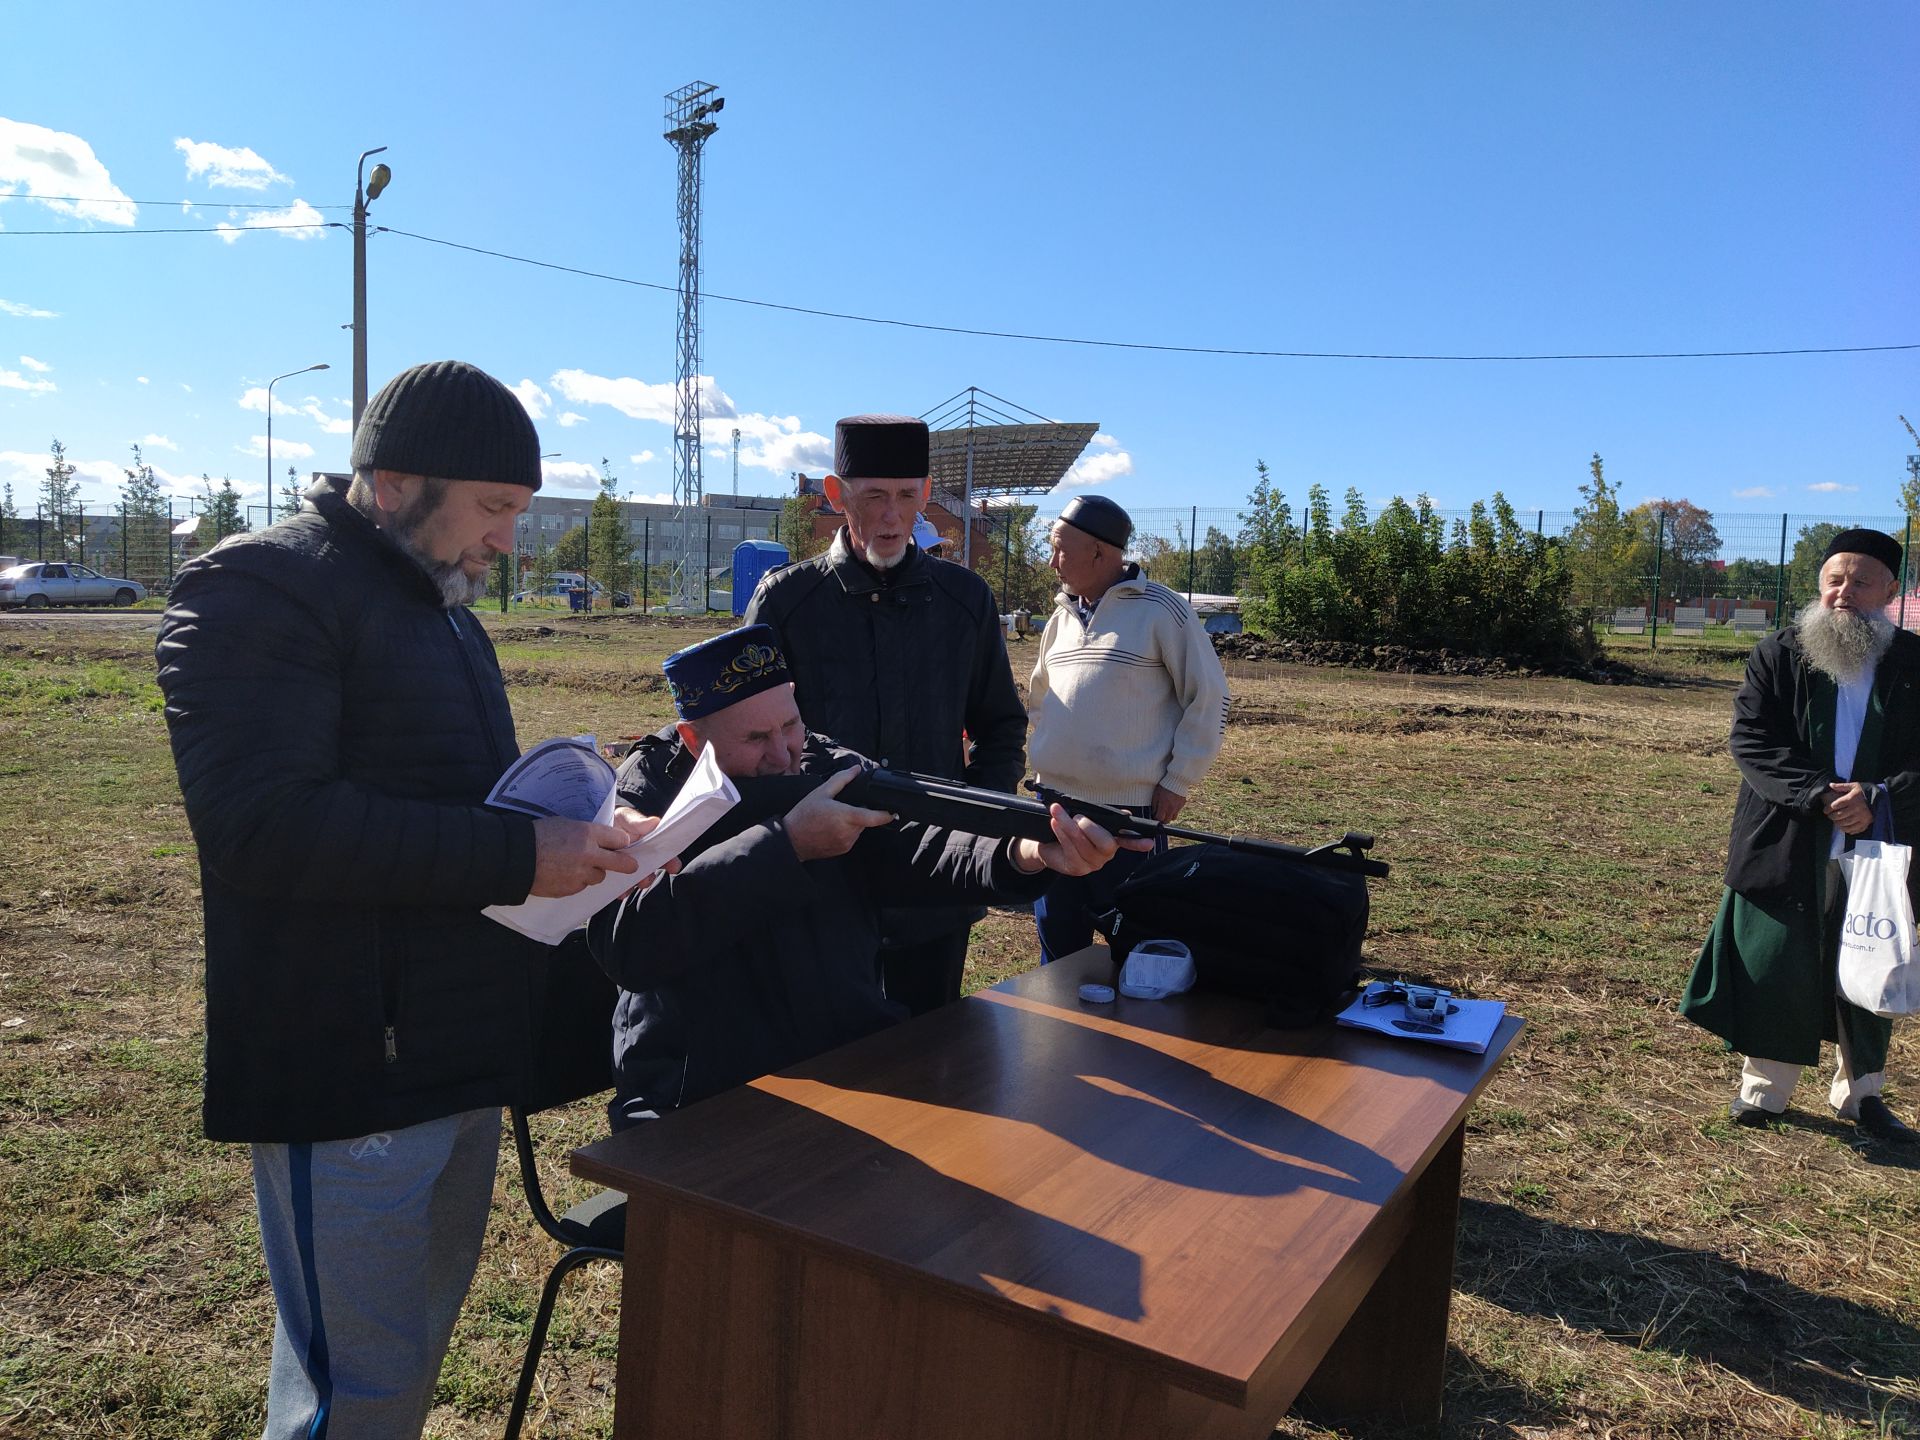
(1841, 644)
(456, 587)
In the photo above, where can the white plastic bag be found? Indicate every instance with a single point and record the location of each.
(1878, 967)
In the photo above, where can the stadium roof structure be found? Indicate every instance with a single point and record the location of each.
(1013, 453)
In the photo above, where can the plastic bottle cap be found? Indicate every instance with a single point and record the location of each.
(1096, 994)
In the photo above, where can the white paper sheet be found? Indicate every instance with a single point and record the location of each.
(707, 795)
(1469, 1027)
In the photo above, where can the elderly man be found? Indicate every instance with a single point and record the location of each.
(901, 659)
(1826, 732)
(337, 719)
(762, 950)
(1128, 700)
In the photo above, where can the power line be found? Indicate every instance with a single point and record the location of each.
(1016, 334)
(210, 202)
(189, 229)
(1140, 344)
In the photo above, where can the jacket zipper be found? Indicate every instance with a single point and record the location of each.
(473, 684)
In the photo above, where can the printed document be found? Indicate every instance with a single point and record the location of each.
(569, 778)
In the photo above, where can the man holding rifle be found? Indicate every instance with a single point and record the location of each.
(1128, 701)
(764, 949)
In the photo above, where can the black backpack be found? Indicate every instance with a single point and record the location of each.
(1283, 931)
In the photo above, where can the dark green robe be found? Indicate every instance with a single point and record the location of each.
(1764, 979)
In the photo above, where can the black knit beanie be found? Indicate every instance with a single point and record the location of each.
(1880, 546)
(452, 421)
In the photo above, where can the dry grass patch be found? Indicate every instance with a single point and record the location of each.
(1629, 1264)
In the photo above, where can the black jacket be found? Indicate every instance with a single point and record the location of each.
(900, 667)
(1782, 741)
(336, 729)
(749, 961)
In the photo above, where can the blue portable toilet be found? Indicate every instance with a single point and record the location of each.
(751, 560)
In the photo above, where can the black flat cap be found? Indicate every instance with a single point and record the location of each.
(881, 447)
(1100, 518)
(452, 421)
(1881, 547)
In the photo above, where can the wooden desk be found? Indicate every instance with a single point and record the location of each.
(1027, 1216)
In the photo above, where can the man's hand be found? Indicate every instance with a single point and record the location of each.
(1167, 805)
(570, 855)
(1079, 846)
(638, 827)
(1847, 807)
(820, 827)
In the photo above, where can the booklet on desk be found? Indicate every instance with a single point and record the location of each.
(569, 778)
(1469, 1024)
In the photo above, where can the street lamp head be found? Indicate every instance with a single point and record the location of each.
(323, 366)
(377, 181)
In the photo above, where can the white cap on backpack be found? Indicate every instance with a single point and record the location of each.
(1156, 969)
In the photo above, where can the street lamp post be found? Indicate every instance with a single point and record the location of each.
(270, 384)
(365, 191)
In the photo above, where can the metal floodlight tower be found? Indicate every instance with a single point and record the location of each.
(689, 124)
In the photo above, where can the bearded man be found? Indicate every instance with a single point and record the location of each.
(337, 717)
(1826, 733)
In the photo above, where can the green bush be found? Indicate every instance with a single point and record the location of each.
(1490, 587)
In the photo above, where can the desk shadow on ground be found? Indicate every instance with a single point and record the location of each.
(1779, 1337)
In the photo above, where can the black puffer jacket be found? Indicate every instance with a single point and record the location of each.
(336, 730)
(899, 667)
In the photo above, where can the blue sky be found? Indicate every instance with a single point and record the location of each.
(1514, 178)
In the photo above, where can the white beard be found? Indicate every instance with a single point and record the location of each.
(1842, 643)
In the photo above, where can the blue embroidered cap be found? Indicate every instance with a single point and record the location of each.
(725, 670)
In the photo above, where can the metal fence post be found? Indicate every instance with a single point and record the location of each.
(1193, 524)
(646, 562)
(1006, 556)
(1659, 543)
(706, 573)
(1906, 565)
(123, 538)
(1780, 575)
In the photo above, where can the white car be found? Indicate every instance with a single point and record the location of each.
(38, 584)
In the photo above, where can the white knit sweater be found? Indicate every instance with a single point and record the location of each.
(1132, 699)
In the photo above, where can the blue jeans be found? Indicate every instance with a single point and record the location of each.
(1064, 915)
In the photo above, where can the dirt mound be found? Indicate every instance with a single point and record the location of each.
(1403, 660)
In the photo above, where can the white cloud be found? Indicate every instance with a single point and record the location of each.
(283, 449)
(255, 399)
(1098, 469)
(664, 497)
(142, 380)
(642, 458)
(25, 312)
(106, 473)
(39, 367)
(37, 161)
(19, 467)
(639, 399)
(329, 424)
(536, 400)
(240, 169)
(1832, 487)
(1756, 492)
(570, 475)
(158, 442)
(572, 418)
(1105, 441)
(305, 222)
(14, 380)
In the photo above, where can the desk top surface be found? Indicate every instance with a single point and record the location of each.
(1171, 1177)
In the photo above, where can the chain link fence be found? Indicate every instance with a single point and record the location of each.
(144, 546)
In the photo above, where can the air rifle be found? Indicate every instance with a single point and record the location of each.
(953, 806)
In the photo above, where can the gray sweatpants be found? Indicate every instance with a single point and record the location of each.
(371, 1245)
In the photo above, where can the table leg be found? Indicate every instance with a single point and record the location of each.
(1389, 1362)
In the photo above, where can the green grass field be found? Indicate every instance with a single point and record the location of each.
(1629, 1264)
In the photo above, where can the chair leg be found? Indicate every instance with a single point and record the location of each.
(542, 1317)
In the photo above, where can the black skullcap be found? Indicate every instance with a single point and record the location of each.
(1881, 547)
(725, 670)
(881, 447)
(1100, 518)
(452, 421)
